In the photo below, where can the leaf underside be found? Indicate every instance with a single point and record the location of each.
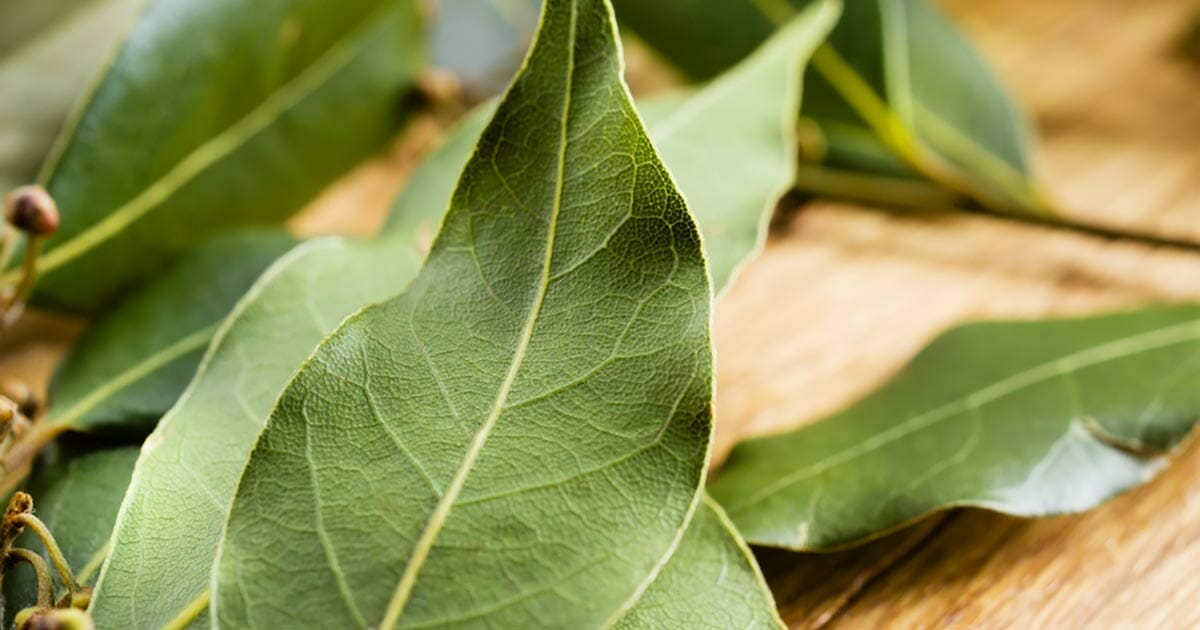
(1027, 418)
(877, 93)
(543, 386)
(213, 116)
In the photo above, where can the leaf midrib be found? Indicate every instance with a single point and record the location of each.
(1096, 355)
(135, 373)
(213, 150)
(437, 519)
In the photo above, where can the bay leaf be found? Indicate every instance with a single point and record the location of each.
(481, 41)
(48, 51)
(896, 93)
(189, 469)
(76, 491)
(712, 581)
(211, 116)
(1027, 418)
(544, 386)
(130, 366)
(170, 520)
(731, 145)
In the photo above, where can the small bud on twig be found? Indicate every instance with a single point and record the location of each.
(31, 210)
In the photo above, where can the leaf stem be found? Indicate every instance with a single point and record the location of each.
(45, 597)
(14, 305)
(56, 556)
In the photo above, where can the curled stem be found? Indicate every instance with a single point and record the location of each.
(56, 556)
(45, 597)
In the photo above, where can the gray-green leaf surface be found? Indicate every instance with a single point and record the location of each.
(1028, 418)
(481, 41)
(48, 51)
(712, 581)
(520, 438)
(131, 365)
(731, 145)
(216, 114)
(170, 520)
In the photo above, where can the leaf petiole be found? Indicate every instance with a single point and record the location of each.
(45, 596)
(27, 519)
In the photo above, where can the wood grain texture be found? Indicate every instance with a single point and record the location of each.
(844, 295)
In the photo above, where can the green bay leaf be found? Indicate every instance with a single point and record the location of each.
(1028, 418)
(213, 116)
(897, 93)
(130, 366)
(731, 145)
(188, 471)
(543, 386)
(712, 581)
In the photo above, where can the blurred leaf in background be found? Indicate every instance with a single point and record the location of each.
(895, 94)
(49, 50)
(214, 115)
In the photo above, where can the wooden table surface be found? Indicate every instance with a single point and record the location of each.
(845, 295)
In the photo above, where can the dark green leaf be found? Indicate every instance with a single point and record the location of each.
(133, 363)
(896, 93)
(520, 438)
(48, 51)
(76, 492)
(1029, 418)
(216, 114)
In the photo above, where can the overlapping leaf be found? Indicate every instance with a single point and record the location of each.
(216, 114)
(481, 41)
(543, 386)
(136, 360)
(1031, 418)
(895, 93)
(170, 521)
(731, 144)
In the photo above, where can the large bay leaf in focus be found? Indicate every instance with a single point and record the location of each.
(132, 363)
(896, 93)
(48, 51)
(172, 516)
(76, 492)
(214, 114)
(520, 438)
(1029, 418)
